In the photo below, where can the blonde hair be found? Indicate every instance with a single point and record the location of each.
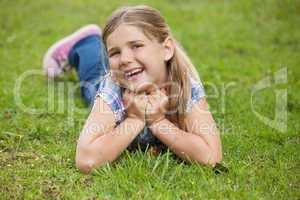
(179, 67)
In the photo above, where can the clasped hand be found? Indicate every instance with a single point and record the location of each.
(150, 108)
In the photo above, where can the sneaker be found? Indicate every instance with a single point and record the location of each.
(55, 61)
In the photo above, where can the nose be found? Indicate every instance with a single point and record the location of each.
(126, 57)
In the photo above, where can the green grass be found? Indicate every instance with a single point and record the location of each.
(238, 42)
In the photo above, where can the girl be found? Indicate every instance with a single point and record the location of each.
(143, 89)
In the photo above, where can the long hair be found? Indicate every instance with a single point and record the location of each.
(180, 68)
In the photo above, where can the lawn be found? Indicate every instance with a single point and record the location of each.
(234, 44)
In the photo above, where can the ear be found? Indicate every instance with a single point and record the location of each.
(169, 47)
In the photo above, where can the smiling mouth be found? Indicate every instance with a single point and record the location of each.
(134, 73)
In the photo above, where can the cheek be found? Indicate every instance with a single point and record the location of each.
(113, 63)
(151, 60)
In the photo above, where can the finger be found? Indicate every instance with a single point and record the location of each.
(163, 96)
(151, 98)
(127, 93)
(147, 87)
(141, 104)
(129, 98)
(151, 104)
(140, 99)
(125, 98)
(149, 108)
(154, 91)
(163, 90)
(159, 94)
(119, 77)
(164, 104)
(159, 102)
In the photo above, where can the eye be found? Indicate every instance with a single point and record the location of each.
(135, 46)
(114, 53)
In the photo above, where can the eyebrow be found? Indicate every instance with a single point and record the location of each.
(129, 42)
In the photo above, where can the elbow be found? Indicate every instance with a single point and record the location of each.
(87, 161)
(85, 166)
(214, 162)
(218, 158)
(83, 161)
(214, 159)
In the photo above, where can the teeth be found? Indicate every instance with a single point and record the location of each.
(128, 74)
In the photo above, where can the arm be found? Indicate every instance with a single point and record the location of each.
(99, 141)
(200, 143)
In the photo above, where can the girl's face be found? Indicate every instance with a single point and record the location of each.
(142, 60)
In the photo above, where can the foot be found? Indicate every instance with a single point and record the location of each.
(55, 60)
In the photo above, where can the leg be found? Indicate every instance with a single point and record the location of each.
(55, 61)
(90, 60)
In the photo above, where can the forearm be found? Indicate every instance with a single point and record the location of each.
(109, 146)
(186, 145)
